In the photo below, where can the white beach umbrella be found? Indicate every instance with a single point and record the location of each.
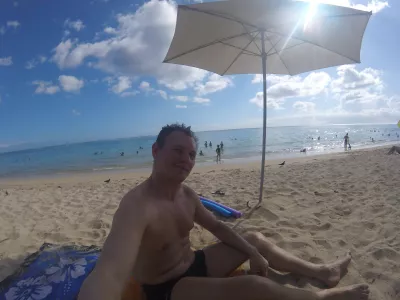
(266, 36)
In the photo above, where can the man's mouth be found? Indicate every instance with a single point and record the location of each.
(183, 168)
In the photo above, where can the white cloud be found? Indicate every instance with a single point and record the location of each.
(145, 86)
(372, 5)
(163, 94)
(352, 96)
(76, 25)
(110, 30)
(42, 58)
(271, 103)
(6, 61)
(304, 106)
(33, 63)
(45, 87)
(14, 24)
(215, 83)
(124, 83)
(70, 83)
(286, 86)
(181, 106)
(180, 98)
(201, 100)
(76, 113)
(138, 47)
(129, 94)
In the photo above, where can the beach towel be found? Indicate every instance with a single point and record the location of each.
(54, 272)
(57, 272)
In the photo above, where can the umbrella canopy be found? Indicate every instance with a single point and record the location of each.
(266, 36)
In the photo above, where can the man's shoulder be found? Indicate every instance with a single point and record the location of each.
(189, 192)
(135, 199)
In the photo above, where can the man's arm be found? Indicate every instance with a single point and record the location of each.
(223, 232)
(112, 271)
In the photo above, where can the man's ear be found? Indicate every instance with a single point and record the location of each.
(154, 150)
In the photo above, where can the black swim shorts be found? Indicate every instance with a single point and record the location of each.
(163, 290)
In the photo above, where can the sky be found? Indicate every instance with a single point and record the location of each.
(86, 70)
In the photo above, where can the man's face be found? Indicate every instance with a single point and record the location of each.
(176, 158)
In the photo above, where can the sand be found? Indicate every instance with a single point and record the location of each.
(316, 208)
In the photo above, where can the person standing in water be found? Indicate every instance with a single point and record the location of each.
(346, 141)
(222, 145)
(218, 150)
(210, 144)
(205, 144)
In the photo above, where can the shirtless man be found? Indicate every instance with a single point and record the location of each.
(149, 240)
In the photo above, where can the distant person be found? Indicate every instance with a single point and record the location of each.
(201, 153)
(218, 150)
(137, 152)
(122, 153)
(303, 150)
(336, 135)
(205, 144)
(210, 144)
(373, 140)
(319, 138)
(222, 145)
(394, 149)
(346, 141)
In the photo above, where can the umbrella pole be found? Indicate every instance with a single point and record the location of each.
(264, 69)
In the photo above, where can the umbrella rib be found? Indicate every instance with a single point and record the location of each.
(244, 27)
(273, 46)
(247, 51)
(240, 53)
(207, 45)
(314, 44)
(219, 15)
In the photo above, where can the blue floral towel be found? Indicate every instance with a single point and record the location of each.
(54, 272)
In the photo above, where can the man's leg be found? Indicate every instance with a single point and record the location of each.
(222, 260)
(253, 287)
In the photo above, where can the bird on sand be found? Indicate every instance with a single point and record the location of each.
(107, 181)
(282, 164)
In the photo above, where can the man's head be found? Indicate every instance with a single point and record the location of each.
(174, 152)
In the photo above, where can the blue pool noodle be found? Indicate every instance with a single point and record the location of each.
(214, 207)
(235, 213)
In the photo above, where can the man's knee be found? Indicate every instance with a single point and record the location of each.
(256, 239)
(253, 237)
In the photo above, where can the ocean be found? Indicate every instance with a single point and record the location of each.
(239, 144)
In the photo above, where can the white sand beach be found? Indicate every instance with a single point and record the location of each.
(317, 208)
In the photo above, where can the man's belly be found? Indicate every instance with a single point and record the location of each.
(163, 266)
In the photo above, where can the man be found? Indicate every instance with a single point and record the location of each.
(218, 150)
(149, 240)
(346, 141)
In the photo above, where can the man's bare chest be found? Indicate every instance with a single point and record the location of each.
(170, 225)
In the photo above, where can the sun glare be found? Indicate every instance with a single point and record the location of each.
(312, 11)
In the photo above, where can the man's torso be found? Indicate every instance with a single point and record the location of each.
(165, 252)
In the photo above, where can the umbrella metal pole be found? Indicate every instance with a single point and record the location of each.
(264, 69)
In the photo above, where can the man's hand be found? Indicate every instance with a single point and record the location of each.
(258, 265)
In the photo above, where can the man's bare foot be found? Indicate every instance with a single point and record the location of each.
(333, 272)
(352, 292)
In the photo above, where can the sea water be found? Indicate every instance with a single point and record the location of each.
(239, 144)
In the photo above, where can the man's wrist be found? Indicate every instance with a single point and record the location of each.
(253, 251)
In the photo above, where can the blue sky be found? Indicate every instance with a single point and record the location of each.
(86, 70)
